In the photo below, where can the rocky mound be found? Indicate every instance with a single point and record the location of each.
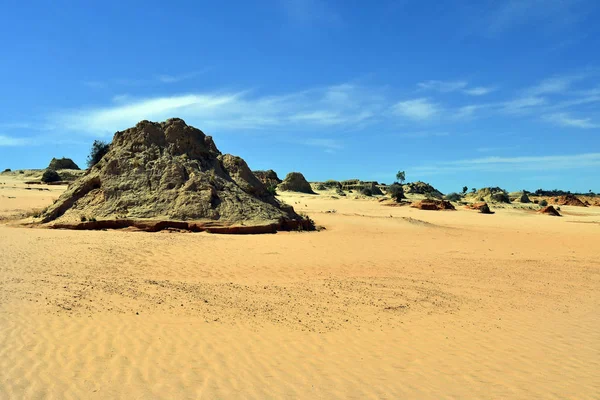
(429, 204)
(491, 195)
(569, 200)
(169, 172)
(549, 210)
(482, 207)
(422, 188)
(269, 177)
(295, 182)
(361, 186)
(62, 163)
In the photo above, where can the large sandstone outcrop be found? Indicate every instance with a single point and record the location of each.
(169, 172)
(295, 182)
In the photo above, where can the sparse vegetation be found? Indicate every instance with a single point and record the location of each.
(99, 149)
(366, 192)
(50, 175)
(543, 203)
(7, 170)
(396, 192)
(83, 218)
(272, 189)
(464, 190)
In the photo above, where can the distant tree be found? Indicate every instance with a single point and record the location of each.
(401, 177)
(473, 190)
(99, 149)
(465, 190)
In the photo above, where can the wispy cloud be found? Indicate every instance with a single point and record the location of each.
(554, 85)
(442, 86)
(8, 141)
(501, 164)
(564, 119)
(416, 109)
(479, 91)
(549, 14)
(340, 105)
(157, 79)
(329, 145)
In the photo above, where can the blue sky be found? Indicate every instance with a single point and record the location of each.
(502, 93)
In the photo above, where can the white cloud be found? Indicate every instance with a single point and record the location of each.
(502, 164)
(442, 86)
(564, 119)
(181, 77)
(416, 109)
(325, 107)
(8, 141)
(523, 104)
(547, 14)
(479, 91)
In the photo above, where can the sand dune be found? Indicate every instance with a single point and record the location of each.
(388, 302)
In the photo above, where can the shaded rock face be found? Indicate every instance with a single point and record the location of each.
(549, 210)
(433, 205)
(295, 182)
(168, 171)
(524, 198)
(422, 188)
(62, 163)
(269, 178)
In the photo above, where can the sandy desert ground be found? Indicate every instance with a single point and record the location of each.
(387, 302)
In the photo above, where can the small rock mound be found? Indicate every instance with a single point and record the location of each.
(62, 163)
(269, 177)
(549, 210)
(170, 172)
(482, 207)
(295, 182)
(492, 195)
(569, 200)
(422, 188)
(430, 204)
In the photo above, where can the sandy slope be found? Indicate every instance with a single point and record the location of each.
(388, 302)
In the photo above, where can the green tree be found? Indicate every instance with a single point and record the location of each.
(99, 149)
(473, 190)
(401, 177)
(465, 190)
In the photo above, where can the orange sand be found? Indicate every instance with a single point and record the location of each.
(388, 302)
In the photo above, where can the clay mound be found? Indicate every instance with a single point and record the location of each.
(422, 188)
(549, 210)
(269, 177)
(62, 163)
(482, 207)
(169, 171)
(295, 182)
(429, 204)
(569, 200)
